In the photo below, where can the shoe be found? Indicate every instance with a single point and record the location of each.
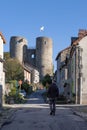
(51, 113)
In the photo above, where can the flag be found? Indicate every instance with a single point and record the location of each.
(42, 28)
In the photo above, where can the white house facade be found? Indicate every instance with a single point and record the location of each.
(31, 74)
(76, 83)
(2, 74)
(82, 44)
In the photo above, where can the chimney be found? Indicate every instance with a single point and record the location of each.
(82, 33)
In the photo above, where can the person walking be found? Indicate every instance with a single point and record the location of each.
(52, 94)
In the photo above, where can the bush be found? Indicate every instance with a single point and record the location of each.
(13, 83)
(27, 88)
(14, 97)
(12, 92)
(45, 79)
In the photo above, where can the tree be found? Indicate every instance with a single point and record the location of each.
(14, 70)
(46, 78)
(6, 55)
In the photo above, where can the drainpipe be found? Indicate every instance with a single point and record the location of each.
(0, 96)
(78, 83)
(80, 76)
(76, 101)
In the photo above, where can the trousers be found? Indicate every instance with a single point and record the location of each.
(52, 103)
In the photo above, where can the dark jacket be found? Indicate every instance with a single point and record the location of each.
(53, 91)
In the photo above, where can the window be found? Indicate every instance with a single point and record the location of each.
(32, 56)
(45, 42)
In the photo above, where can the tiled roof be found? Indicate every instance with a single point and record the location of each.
(62, 51)
(81, 34)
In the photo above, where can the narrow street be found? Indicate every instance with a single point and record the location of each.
(34, 115)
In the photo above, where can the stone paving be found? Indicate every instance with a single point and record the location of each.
(80, 110)
(36, 117)
(7, 114)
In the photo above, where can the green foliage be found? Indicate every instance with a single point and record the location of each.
(27, 88)
(14, 70)
(6, 55)
(45, 79)
(12, 92)
(13, 83)
(14, 96)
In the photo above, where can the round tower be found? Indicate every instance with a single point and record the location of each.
(44, 56)
(18, 48)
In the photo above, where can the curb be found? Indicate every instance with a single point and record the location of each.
(81, 114)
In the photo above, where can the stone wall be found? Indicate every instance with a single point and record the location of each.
(18, 48)
(31, 56)
(44, 56)
(83, 70)
(40, 57)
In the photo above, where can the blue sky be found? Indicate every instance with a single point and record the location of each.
(61, 19)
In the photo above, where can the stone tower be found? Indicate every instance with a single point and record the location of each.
(18, 48)
(44, 56)
(40, 57)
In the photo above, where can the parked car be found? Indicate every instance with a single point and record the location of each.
(23, 93)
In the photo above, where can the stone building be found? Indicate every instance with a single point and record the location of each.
(39, 58)
(44, 52)
(62, 70)
(31, 74)
(27, 74)
(79, 63)
(18, 48)
(2, 73)
(75, 63)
